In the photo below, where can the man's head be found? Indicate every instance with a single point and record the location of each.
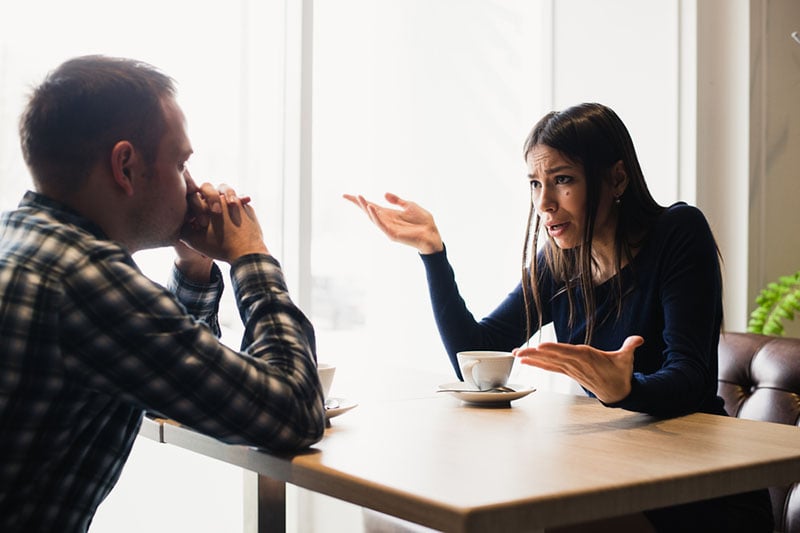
(107, 137)
(82, 109)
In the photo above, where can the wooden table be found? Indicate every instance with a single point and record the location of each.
(548, 460)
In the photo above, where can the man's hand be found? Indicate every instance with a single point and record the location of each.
(221, 225)
(192, 264)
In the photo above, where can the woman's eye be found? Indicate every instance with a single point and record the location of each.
(535, 184)
(563, 179)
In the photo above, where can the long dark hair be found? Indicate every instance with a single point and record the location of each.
(593, 136)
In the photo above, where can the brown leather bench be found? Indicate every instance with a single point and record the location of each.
(759, 379)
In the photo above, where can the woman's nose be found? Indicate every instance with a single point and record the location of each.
(543, 199)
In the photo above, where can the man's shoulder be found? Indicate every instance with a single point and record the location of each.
(35, 239)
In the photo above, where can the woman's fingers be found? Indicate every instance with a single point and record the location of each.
(606, 374)
(404, 222)
(632, 342)
(359, 201)
(395, 200)
(369, 208)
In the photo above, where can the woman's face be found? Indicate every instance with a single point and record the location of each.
(559, 195)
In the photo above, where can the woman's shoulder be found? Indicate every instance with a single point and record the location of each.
(681, 215)
(679, 225)
(682, 210)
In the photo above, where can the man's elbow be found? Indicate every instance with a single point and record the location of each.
(304, 433)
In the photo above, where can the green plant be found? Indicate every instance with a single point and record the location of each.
(777, 302)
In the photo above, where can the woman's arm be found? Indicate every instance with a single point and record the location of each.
(688, 287)
(503, 329)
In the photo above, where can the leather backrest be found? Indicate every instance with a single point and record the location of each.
(759, 379)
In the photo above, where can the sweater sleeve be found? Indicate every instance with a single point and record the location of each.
(503, 329)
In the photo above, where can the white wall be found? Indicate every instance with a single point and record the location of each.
(722, 141)
(774, 214)
(747, 138)
(626, 54)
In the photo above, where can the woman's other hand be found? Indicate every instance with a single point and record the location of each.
(606, 374)
(410, 225)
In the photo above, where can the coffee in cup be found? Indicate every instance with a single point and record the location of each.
(484, 370)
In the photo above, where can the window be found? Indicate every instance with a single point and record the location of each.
(430, 100)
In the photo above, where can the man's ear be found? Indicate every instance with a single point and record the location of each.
(619, 179)
(124, 163)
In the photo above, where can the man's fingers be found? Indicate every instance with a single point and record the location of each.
(196, 213)
(234, 210)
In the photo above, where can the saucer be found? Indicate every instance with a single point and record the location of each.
(344, 406)
(487, 398)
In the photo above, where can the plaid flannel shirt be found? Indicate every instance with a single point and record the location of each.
(88, 343)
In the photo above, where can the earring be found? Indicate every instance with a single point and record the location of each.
(617, 200)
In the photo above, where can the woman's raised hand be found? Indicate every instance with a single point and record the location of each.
(606, 374)
(410, 225)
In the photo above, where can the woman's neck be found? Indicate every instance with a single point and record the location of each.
(604, 257)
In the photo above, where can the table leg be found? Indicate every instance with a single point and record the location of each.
(264, 504)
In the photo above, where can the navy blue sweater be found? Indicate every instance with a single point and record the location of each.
(673, 299)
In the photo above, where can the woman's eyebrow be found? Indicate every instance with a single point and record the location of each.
(558, 169)
(553, 170)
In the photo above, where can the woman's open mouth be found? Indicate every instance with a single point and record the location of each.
(556, 230)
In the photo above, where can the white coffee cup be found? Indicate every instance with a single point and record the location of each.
(326, 372)
(484, 370)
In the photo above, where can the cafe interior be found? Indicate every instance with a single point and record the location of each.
(297, 102)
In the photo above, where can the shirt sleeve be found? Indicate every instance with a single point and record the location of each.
(129, 338)
(201, 300)
(503, 329)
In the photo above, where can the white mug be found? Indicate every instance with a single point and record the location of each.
(484, 370)
(326, 373)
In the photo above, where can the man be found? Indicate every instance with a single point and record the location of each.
(87, 343)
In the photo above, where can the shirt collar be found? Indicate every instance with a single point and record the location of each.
(61, 212)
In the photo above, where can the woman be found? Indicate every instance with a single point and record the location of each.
(632, 288)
